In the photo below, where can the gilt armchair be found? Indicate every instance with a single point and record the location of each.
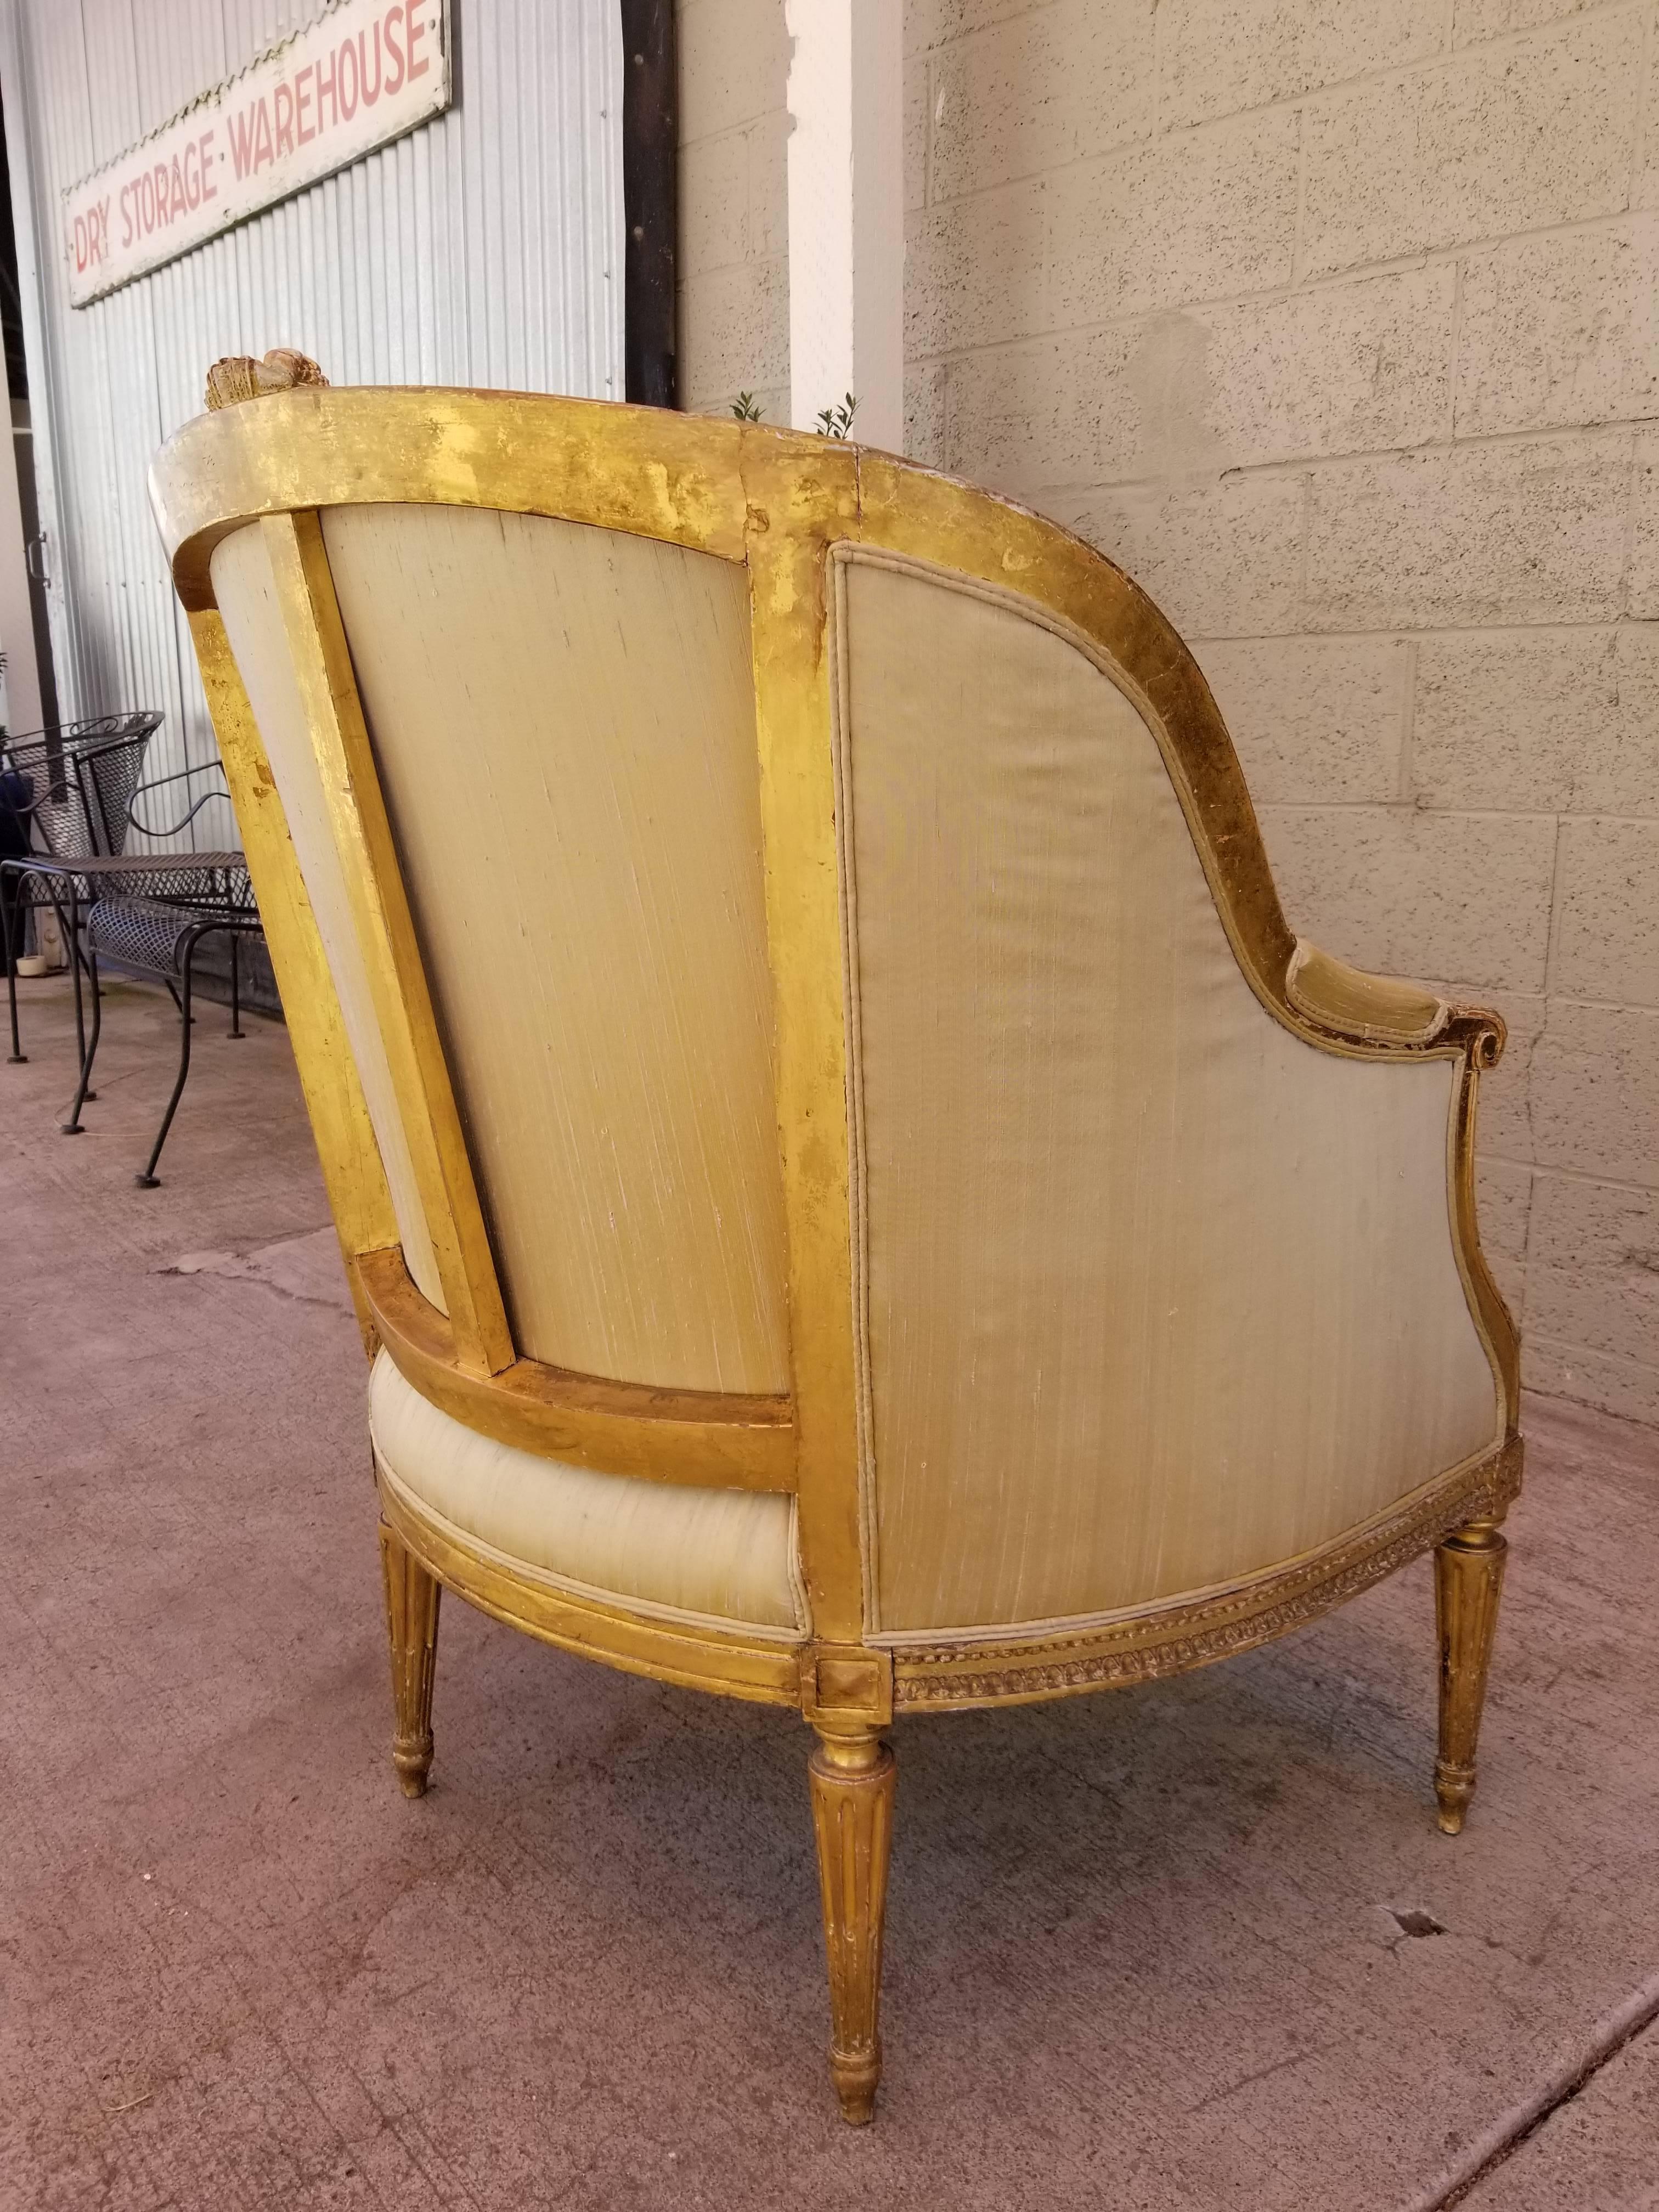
(854, 1196)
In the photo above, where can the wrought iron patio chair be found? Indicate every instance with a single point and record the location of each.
(66, 792)
(857, 1198)
(83, 776)
(156, 936)
(71, 798)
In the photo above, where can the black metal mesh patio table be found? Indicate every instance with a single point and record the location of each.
(147, 911)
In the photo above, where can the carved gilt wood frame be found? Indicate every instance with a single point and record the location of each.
(778, 504)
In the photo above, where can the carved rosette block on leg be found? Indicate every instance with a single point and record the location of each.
(1468, 1580)
(852, 1780)
(411, 1618)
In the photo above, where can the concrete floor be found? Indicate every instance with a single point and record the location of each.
(1145, 1949)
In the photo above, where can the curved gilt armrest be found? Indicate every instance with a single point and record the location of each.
(1382, 1010)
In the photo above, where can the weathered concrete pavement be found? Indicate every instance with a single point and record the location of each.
(1145, 1949)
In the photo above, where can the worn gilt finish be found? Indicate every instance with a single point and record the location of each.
(719, 1439)
(385, 929)
(852, 1779)
(1468, 1580)
(412, 1598)
(357, 1194)
(784, 507)
(1192, 1632)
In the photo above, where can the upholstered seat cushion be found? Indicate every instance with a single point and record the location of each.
(722, 1558)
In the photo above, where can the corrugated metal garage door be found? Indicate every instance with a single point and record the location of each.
(486, 248)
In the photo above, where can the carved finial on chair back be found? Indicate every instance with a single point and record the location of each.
(239, 376)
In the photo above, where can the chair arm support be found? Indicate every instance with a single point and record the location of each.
(1382, 1010)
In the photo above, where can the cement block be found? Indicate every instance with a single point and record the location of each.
(1061, 84)
(1531, 530)
(1503, 1205)
(1645, 191)
(918, 128)
(1197, 390)
(1052, 410)
(1497, 140)
(1511, 1276)
(1560, 721)
(927, 397)
(1592, 1291)
(1503, 1196)
(1561, 330)
(1627, 1389)
(974, 272)
(1198, 214)
(1221, 559)
(715, 211)
(1503, 1113)
(1475, 19)
(1595, 1092)
(930, 23)
(1345, 368)
(1407, 893)
(1643, 592)
(733, 64)
(768, 187)
(1605, 939)
(1216, 57)
(1314, 719)
(735, 332)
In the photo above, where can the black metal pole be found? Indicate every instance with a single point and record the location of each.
(650, 200)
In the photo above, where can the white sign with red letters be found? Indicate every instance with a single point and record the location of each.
(365, 72)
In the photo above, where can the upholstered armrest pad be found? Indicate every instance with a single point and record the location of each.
(1378, 1008)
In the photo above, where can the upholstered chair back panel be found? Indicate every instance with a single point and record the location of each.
(563, 723)
(1151, 1293)
(245, 591)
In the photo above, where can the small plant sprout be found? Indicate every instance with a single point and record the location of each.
(837, 421)
(746, 407)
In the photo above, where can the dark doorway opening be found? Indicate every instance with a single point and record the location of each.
(650, 200)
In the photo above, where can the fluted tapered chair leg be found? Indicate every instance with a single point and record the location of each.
(852, 1780)
(1468, 1580)
(411, 1617)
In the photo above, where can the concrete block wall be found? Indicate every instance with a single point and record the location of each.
(1338, 326)
(734, 204)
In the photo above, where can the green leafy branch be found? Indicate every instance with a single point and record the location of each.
(833, 422)
(836, 422)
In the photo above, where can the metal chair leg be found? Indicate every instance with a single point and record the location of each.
(73, 1127)
(236, 1029)
(11, 920)
(74, 938)
(149, 1180)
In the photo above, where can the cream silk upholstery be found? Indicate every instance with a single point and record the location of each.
(722, 1558)
(563, 719)
(1153, 1295)
(243, 585)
